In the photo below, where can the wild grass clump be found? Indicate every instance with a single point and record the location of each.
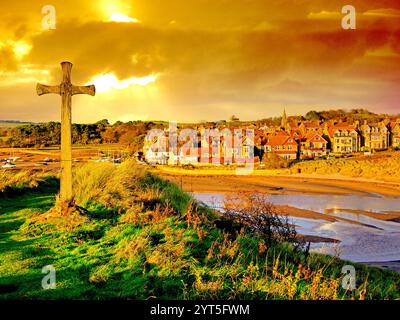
(63, 216)
(123, 186)
(14, 182)
(169, 193)
(106, 184)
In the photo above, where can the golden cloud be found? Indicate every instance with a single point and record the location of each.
(215, 55)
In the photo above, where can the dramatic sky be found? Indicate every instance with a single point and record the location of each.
(192, 60)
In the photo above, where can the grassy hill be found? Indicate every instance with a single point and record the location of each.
(142, 237)
(381, 166)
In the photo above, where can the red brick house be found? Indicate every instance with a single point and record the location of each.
(284, 146)
(394, 128)
(313, 145)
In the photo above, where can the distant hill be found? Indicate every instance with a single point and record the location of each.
(12, 123)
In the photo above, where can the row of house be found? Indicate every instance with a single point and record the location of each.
(218, 148)
(311, 139)
(291, 140)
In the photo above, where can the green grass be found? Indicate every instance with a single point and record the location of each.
(159, 244)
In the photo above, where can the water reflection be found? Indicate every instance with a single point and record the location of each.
(380, 241)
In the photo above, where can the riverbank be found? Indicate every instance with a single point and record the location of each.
(309, 214)
(393, 216)
(280, 184)
(389, 265)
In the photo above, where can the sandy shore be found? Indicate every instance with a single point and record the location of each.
(276, 184)
(392, 265)
(302, 213)
(393, 216)
(294, 185)
(317, 239)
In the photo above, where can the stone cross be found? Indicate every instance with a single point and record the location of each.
(66, 90)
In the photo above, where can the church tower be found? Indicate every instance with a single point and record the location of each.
(284, 120)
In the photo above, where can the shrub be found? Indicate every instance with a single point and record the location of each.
(110, 185)
(258, 215)
(13, 182)
(273, 161)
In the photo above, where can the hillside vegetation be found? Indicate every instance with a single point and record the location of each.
(138, 236)
(15, 182)
(384, 167)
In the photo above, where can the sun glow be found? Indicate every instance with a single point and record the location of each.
(120, 17)
(109, 81)
(117, 11)
(19, 48)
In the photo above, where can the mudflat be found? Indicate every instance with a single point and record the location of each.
(282, 184)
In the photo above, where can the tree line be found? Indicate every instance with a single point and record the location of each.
(130, 134)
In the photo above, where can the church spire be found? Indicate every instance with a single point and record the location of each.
(284, 119)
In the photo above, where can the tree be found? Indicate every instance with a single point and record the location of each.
(118, 123)
(313, 115)
(130, 139)
(103, 123)
(273, 161)
(110, 135)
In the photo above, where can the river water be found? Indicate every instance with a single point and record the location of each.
(377, 241)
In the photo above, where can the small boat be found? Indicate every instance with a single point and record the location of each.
(8, 165)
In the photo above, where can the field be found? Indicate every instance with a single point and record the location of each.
(7, 124)
(29, 158)
(138, 236)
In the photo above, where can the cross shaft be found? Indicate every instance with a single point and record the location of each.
(66, 90)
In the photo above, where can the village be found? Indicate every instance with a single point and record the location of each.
(291, 140)
(286, 139)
